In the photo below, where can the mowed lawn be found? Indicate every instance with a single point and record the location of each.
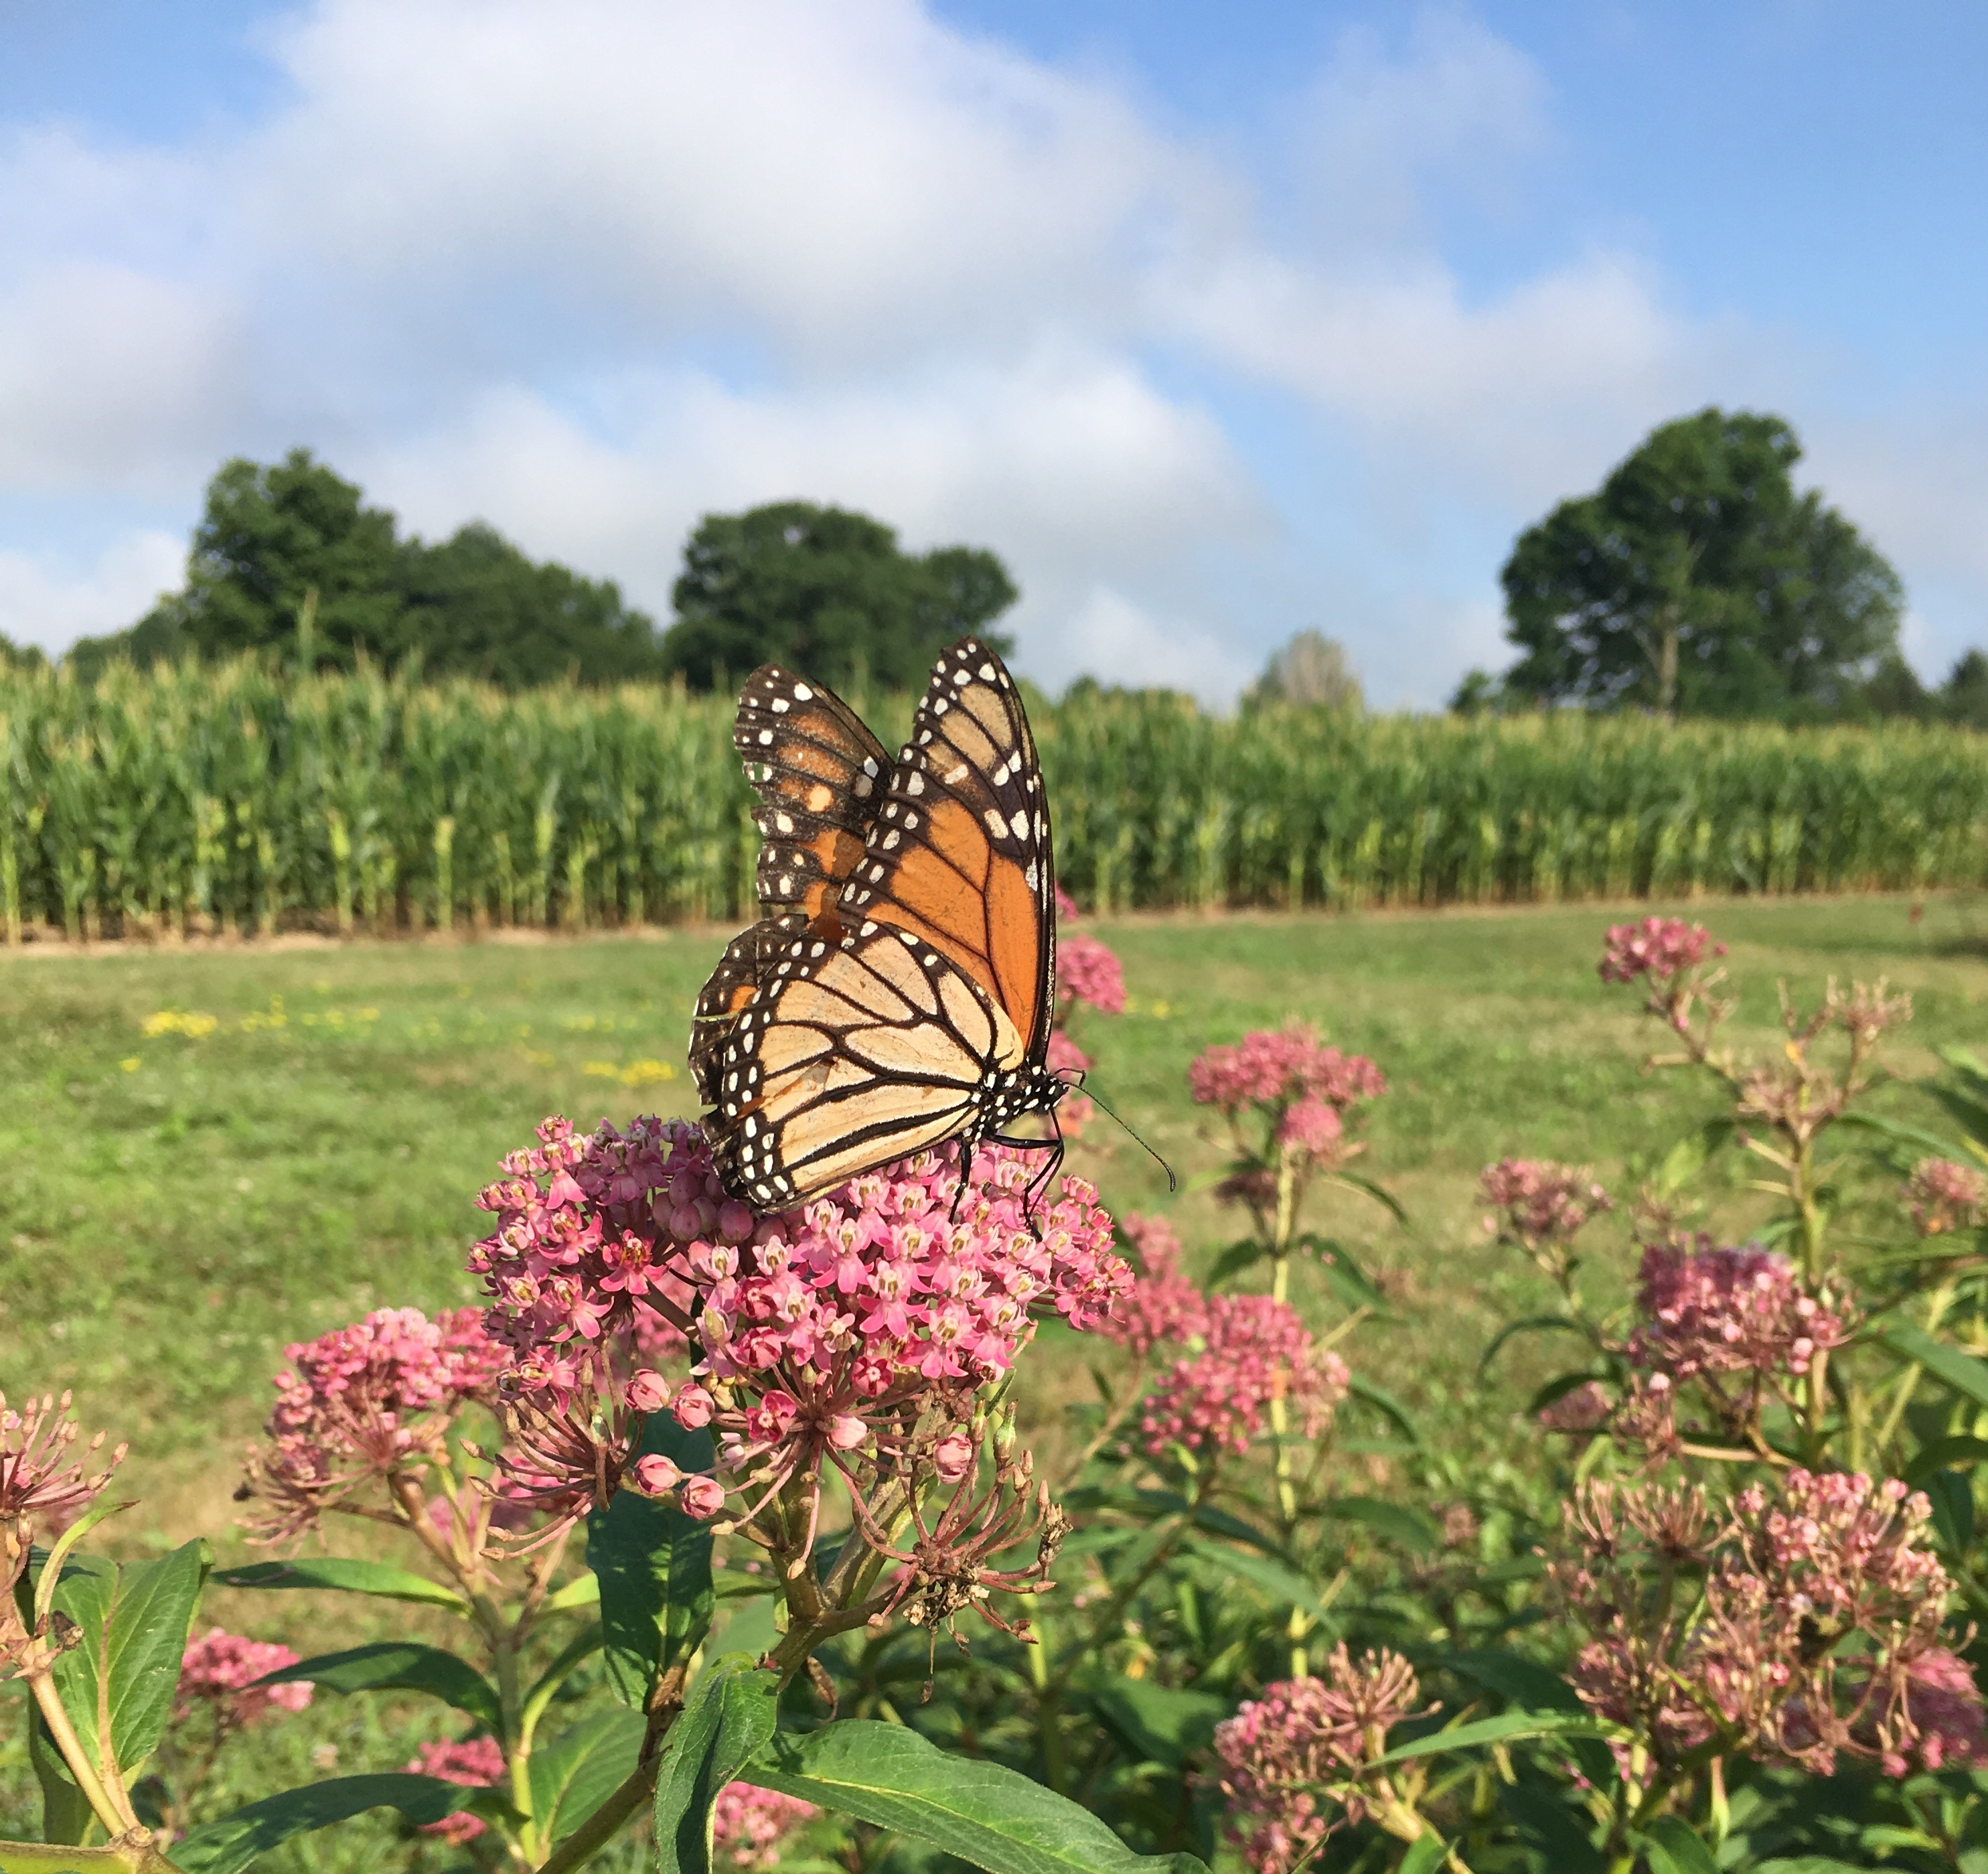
(209, 1154)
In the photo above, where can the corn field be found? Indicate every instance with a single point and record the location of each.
(236, 798)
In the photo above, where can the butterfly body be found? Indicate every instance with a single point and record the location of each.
(896, 996)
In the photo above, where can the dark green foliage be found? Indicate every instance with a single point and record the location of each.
(827, 592)
(288, 557)
(1696, 580)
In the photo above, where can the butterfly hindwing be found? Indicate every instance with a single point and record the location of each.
(854, 1053)
(959, 852)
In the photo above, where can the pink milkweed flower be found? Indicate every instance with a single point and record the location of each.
(1942, 1195)
(1659, 948)
(694, 1408)
(647, 1391)
(1255, 1349)
(1163, 1307)
(952, 1456)
(219, 1669)
(655, 1475)
(748, 1825)
(41, 1486)
(702, 1497)
(1300, 1747)
(1087, 971)
(1266, 1069)
(476, 1762)
(1541, 1205)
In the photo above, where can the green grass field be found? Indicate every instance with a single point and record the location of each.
(212, 1153)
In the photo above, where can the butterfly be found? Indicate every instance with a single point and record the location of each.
(897, 992)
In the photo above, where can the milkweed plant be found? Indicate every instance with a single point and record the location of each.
(731, 1539)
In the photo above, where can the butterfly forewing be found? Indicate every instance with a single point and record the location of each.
(820, 776)
(959, 852)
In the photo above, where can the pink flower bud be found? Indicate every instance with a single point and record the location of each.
(702, 1497)
(734, 1221)
(655, 1475)
(648, 1392)
(846, 1431)
(694, 1407)
(685, 1222)
(952, 1456)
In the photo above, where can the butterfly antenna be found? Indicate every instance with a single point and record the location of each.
(1173, 1183)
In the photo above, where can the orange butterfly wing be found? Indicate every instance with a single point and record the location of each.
(959, 853)
(820, 776)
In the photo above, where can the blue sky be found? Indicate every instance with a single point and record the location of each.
(1216, 323)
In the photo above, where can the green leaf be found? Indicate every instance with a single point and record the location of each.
(1966, 1374)
(995, 1818)
(1164, 1723)
(1234, 1259)
(1502, 1728)
(1532, 1324)
(381, 1578)
(1345, 1277)
(1943, 1454)
(1385, 1199)
(1953, 1498)
(1519, 1681)
(1675, 1846)
(1395, 1522)
(125, 1664)
(402, 1666)
(1557, 1388)
(235, 1842)
(1426, 1853)
(584, 1765)
(581, 1590)
(730, 1714)
(1809, 1864)
(1691, 1154)
(1388, 1405)
(1285, 1585)
(654, 1564)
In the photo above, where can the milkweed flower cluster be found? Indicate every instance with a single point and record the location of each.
(1818, 1631)
(1661, 948)
(218, 1671)
(476, 1763)
(749, 1825)
(1943, 1196)
(1275, 1070)
(1087, 971)
(1289, 1100)
(369, 1401)
(1254, 1349)
(45, 1483)
(1162, 1307)
(1540, 1207)
(1302, 1746)
(1709, 1310)
(857, 1331)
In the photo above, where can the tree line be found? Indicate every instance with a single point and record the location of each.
(1696, 581)
(290, 557)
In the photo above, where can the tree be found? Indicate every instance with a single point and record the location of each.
(828, 592)
(1310, 672)
(473, 604)
(1696, 579)
(1964, 696)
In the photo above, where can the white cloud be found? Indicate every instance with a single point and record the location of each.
(110, 379)
(590, 270)
(51, 606)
